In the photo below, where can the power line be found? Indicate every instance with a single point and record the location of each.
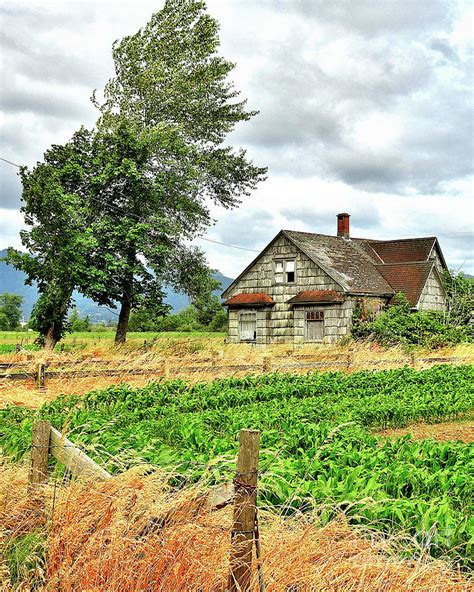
(124, 211)
(10, 162)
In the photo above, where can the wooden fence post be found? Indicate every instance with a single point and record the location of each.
(40, 379)
(40, 436)
(245, 512)
(350, 360)
(165, 370)
(267, 364)
(413, 359)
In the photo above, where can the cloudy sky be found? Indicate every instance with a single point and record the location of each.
(365, 107)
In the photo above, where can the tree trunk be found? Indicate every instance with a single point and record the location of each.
(50, 339)
(122, 325)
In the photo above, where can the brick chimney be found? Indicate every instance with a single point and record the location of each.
(343, 225)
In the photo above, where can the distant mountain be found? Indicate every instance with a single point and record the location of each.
(13, 282)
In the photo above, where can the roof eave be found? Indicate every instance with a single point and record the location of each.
(250, 265)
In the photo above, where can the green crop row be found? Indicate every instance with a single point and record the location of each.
(318, 443)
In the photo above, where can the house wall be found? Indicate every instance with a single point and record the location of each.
(282, 323)
(432, 296)
(435, 257)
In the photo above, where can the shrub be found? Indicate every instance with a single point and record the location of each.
(399, 325)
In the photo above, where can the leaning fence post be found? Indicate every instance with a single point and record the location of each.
(413, 359)
(40, 376)
(40, 435)
(245, 512)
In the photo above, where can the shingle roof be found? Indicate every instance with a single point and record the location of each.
(404, 250)
(316, 296)
(343, 260)
(408, 278)
(257, 299)
(363, 266)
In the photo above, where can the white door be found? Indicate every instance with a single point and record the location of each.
(248, 326)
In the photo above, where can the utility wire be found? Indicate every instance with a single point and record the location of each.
(10, 162)
(124, 211)
(209, 240)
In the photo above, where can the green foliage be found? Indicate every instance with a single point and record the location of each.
(186, 320)
(112, 212)
(25, 558)
(399, 325)
(58, 239)
(161, 158)
(10, 311)
(77, 324)
(318, 448)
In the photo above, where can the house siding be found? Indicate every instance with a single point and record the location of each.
(282, 323)
(432, 297)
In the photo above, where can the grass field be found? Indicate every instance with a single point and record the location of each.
(319, 448)
(27, 338)
(342, 479)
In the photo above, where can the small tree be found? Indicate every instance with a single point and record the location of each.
(76, 324)
(10, 311)
(59, 240)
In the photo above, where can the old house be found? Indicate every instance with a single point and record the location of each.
(303, 287)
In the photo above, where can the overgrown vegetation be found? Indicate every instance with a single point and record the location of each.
(318, 445)
(429, 328)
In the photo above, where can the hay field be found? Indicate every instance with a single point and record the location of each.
(193, 357)
(101, 536)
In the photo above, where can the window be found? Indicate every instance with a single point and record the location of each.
(314, 326)
(248, 326)
(285, 271)
(290, 271)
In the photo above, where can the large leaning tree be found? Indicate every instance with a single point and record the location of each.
(58, 238)
(162, 160)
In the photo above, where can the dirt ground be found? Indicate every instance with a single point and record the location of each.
(195, 360)
(453, 430)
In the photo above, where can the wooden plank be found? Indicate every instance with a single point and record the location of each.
(72, 457)
(245, 512)
(40, 442)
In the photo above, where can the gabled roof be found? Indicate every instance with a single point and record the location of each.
(256, 299)
(366, 266)
(343, 260)
(317, 297)
(409, 278)
(404, 250)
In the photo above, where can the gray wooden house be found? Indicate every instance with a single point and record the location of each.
(303, 287)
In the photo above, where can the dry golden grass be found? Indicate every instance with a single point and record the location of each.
(102, 537)
(453, 430)
(194, 360)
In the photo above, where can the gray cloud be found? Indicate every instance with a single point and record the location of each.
(377, 18)
(321, 218)
(309, 125)
(246, 228)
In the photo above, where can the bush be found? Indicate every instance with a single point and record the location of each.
(398, 325)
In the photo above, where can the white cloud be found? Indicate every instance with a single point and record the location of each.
(365, 107)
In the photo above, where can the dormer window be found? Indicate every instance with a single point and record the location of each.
(285, 271)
